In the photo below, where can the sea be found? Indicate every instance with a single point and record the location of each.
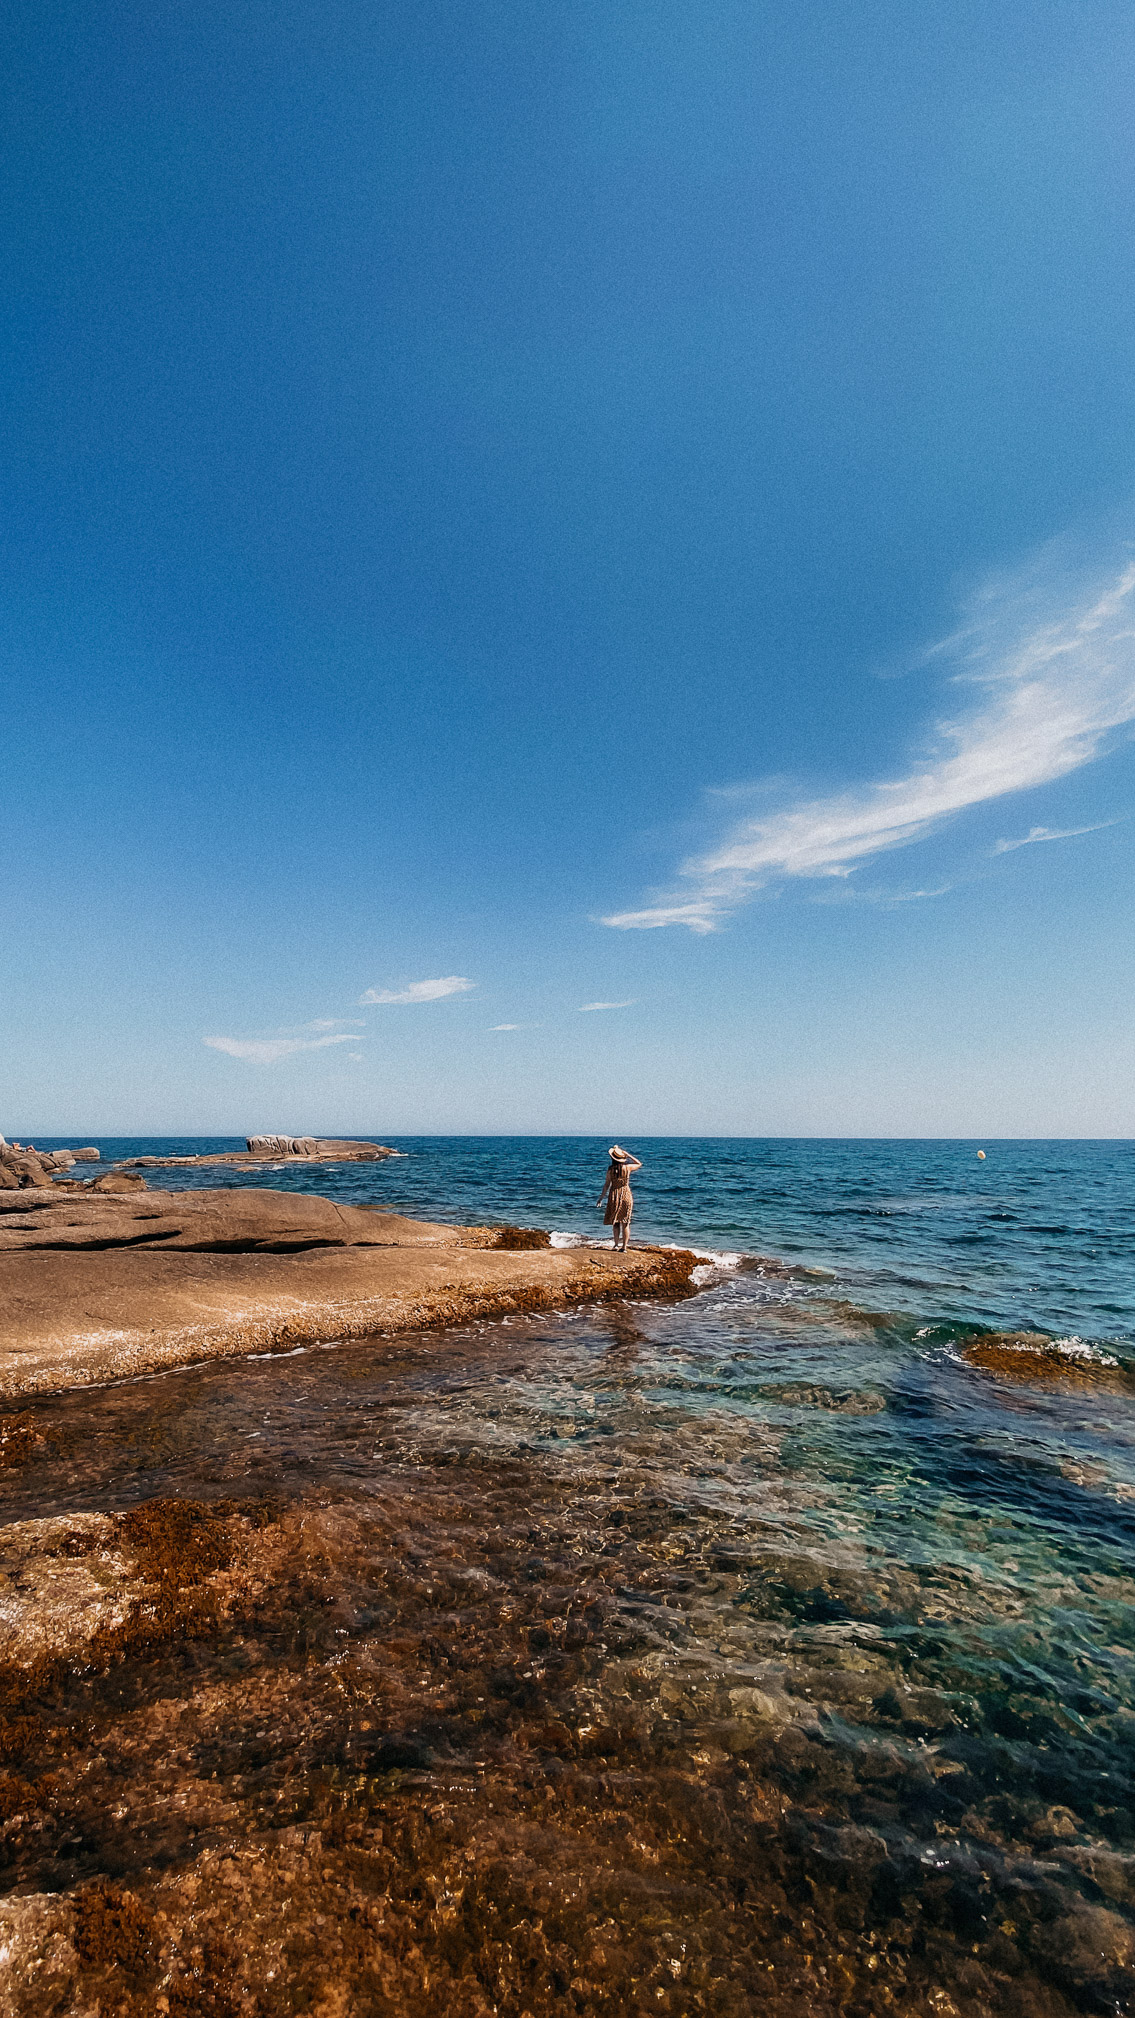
(874, 1488)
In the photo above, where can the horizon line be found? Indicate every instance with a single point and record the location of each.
(561, 1135)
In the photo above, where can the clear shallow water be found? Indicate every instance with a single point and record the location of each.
(825, 1551)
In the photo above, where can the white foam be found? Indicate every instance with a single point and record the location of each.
(1080, 1348)
(1068, 1348)
(712, 1261)
(718, 1256)
(713, 1265)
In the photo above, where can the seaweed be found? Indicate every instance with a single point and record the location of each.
(20, 1438)
(177, 1542)
(112, 1927)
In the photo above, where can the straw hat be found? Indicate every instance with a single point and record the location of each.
(618, 1155)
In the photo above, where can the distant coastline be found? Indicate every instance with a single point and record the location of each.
(267, 1151)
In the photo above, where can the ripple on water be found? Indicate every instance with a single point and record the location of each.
(685, 1657)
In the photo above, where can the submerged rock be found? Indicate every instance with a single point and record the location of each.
(270, 1756)
(843, 1401)
(1034, 1356)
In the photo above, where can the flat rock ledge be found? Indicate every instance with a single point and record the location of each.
(264, 1151)
(102, 1287)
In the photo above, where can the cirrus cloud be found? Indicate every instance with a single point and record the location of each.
(270, 1050)
(1053, 661)
(1051, 834)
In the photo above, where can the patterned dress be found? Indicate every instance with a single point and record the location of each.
(620, 1203)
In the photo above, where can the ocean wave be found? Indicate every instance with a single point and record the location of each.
(1082, 1348)
(957, 1337)
(713, 1264)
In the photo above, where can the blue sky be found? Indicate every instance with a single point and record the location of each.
(621, 504)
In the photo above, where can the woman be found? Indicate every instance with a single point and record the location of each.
(617, 1191)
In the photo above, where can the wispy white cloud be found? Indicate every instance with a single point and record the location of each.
(506, 1026)
(270, 1050)
(336, 1023)
(585, 1008)
(845, 892)
(1053, 662)
(1051, 834)
(420, 991)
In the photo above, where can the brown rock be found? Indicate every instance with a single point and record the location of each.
(1033, 1356)
(8, 1179)
(86, 1155)
(29, 1170)
(269, 1149)
(359, 1152)
(96, 1285)
(118, 1210)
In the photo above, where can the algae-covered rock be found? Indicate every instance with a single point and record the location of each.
(1034, 1356)
(41, 1966)
(842, 1401)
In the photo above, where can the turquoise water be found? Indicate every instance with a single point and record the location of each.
(920, 1572)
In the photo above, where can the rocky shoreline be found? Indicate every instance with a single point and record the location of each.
(102, 1285)
(24, 1167)
(451, 1674)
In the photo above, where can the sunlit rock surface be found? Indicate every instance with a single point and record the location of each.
(97, 1286)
